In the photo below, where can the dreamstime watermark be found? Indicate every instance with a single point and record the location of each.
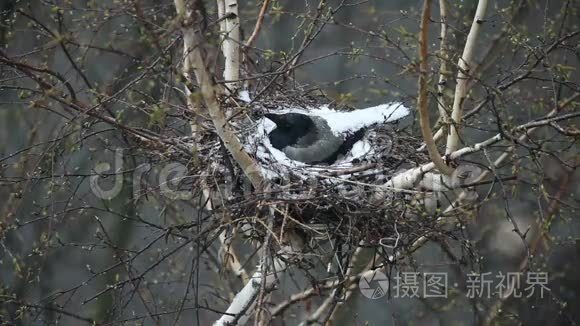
(376, 285)
(171, 174)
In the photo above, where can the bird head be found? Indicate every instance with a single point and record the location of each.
(290, 121)
(290, 128)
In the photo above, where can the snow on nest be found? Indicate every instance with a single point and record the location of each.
(245, 96)
(339, 122)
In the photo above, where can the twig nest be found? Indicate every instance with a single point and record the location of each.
(338, 198)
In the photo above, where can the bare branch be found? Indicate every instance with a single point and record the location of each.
(258, 25)
(415, 177)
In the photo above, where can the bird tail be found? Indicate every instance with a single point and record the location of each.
(348, 143)
(352, 139)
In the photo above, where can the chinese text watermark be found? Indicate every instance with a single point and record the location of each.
(376, 285)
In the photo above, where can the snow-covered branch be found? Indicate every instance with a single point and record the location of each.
(422, 177)
(241, 307)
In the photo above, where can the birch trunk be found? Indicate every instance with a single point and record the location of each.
(466, 63)
(423, 97)
(192, 39)
(231, 44)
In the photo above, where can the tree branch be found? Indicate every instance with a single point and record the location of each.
(415, 177)
(231, 44)
(423, 99)
(443, 70)
(258, 25)
(466, 62)
(240, 309)
(210, 90)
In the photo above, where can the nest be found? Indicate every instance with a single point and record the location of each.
(340, 200)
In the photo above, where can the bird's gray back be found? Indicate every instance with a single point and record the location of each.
(315, 146)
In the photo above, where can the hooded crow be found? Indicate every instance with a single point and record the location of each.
(309, 138)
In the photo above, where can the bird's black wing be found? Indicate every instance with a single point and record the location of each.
(346, 146)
